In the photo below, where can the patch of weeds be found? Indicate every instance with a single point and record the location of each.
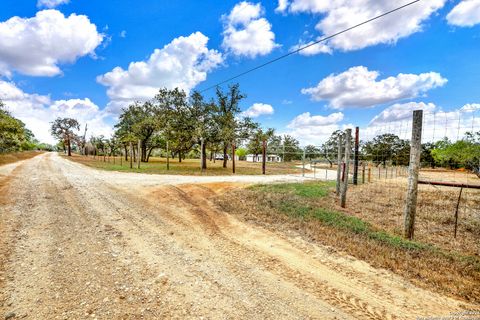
(304, 190)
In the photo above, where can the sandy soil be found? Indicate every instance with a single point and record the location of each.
(79, 243)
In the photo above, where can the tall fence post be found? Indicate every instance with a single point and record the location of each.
(343, 189)
(412, 191)
(357, 146)
(201, 154)
(131, 155)
(233, 157)
(339, 164)
(139, 151)
(168, 157)
(303, 163)
(264, 156)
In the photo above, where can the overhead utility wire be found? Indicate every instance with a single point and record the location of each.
(309, 45)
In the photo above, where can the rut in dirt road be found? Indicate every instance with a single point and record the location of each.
(79, 243)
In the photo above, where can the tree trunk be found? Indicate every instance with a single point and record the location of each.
(126, 152)
(149, 154)
(225, 155)
(69, 148)
(211, 155)
(179, 156)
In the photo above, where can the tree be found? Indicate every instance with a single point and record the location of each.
(255, 144)
(227, 109)
(62, 129)
(292, 148)
(312, 152)
(387, 147)
(330, 148)
(14, 136)
(463, 153)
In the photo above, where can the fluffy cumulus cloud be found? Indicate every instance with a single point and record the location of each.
(36, 46)
(37, 111)
(314, 129)
(401, 112)
(246, 32)
(183, 63)
(465, 14)
(359, 87)
(437, 123)
(257, 110)
(51, 3)
(341, 14)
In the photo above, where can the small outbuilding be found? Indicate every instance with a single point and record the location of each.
(259, 158)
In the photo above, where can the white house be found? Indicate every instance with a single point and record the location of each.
(259, 158)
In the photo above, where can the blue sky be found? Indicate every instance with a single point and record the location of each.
(59, 57)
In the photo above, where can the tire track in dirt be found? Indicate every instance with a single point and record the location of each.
(97, 246)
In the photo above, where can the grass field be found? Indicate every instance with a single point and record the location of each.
(186, 167)
(17, 156)
(310, 209)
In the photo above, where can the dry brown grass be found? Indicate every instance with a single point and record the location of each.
(187, 166)
(17, 156)
(440, 267)
(382, 202)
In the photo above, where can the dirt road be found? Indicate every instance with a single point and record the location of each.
(79, 243)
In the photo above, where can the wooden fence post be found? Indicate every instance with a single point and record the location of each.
(139, 151)
(168, 157)
(355, 166)
(412, 191)
(339, 164)
(264, 156)
(233, 157)
(343, 189)
(131, 155)
(303, 163)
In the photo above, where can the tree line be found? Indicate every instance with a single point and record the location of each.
(15, 136)
(180, 126)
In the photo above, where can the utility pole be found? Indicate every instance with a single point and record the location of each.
(413, 170)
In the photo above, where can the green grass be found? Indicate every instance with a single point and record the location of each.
(298, 201)
(304, 190)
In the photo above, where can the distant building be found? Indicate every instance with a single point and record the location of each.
(259, 158)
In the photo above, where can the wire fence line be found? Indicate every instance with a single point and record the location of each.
(448, 180)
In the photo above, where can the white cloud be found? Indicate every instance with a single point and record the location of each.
(246, 32)
(314, 129)
(36, 46)
(314, 49)
(400, 112)
(258, 109)
(470, 107)
(307, 120)
(437, 123)
(342, 14)
(183, 63)
(123, 34)
(51, 3)
(358, 87)
(465, 14)
(282, 5)
(37, 111)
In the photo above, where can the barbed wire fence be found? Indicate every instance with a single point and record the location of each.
(448, 201)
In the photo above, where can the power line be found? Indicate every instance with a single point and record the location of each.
(309, 45)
